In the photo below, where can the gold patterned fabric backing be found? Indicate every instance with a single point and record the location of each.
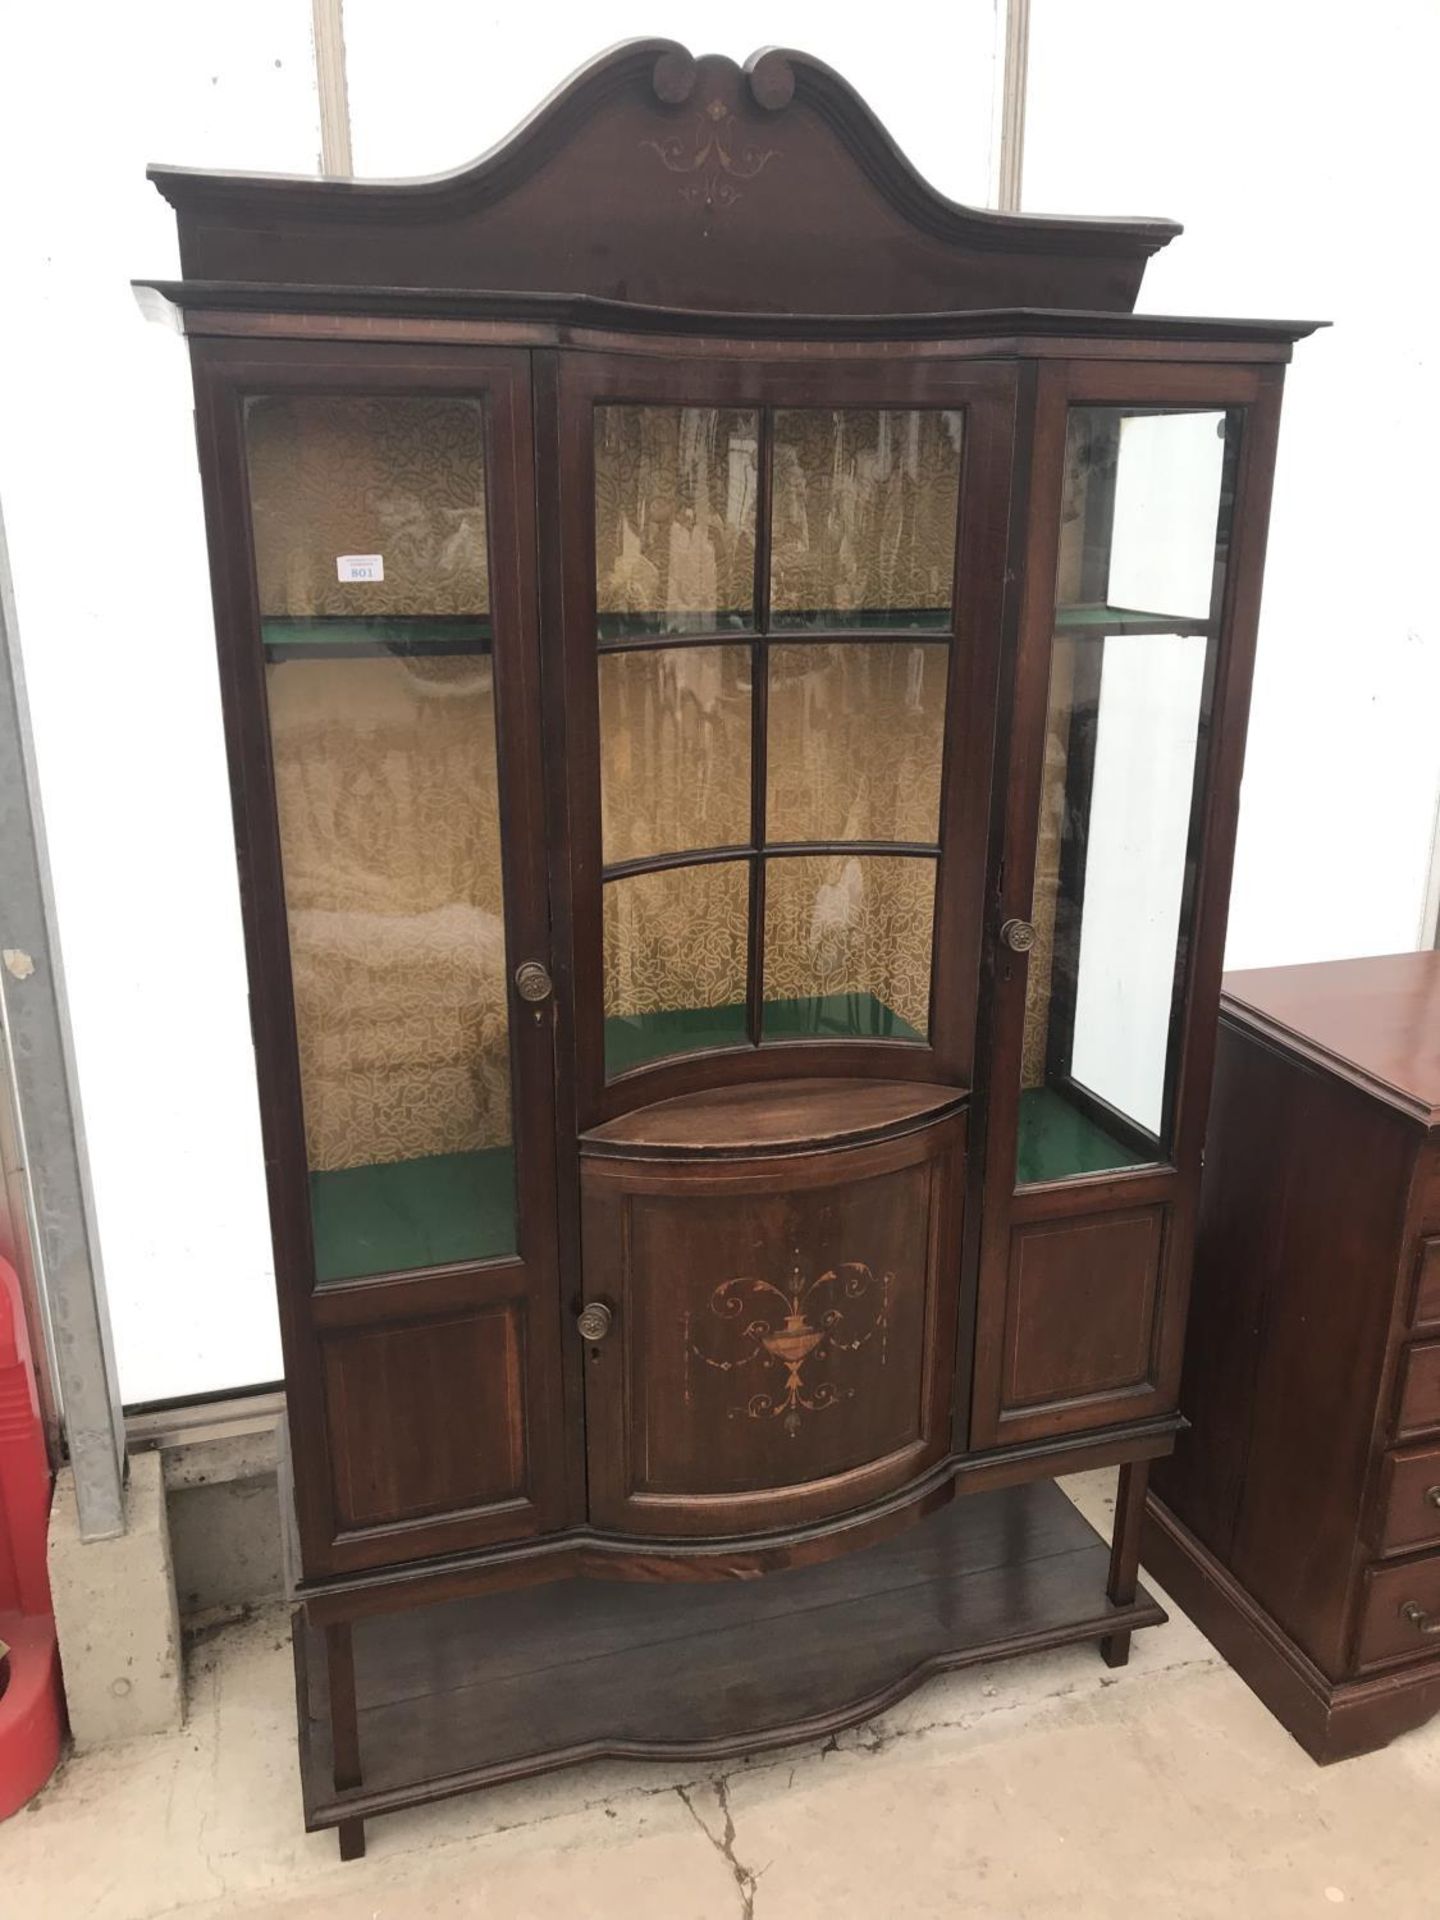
(863, 510)
(399, 477)
(676, 939)
(387, 792)
(675, 515)
(1046, 896)
(856, 739)
(675, 750)
(851, 924)
(834, 924)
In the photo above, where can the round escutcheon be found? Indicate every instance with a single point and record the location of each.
(594, 1320)
(532, 981)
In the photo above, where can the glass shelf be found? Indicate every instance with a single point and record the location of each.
(351, 637)
(1103, 620)
(620, 633)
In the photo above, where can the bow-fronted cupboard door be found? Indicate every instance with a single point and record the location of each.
(780, 605)
(1149, 496)
(372, 543)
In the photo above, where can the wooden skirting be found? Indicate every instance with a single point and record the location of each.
(1332, 1720)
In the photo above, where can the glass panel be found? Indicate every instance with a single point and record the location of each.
(676, 943)
(847, 946)
(863, 518)
(674, 519)
(388, 799)
(856, 737)
(1144, 533)
(674, 750)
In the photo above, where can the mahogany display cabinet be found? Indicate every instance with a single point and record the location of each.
(735, 671)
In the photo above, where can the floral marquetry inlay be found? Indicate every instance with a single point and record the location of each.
(787, 1329)
(713, 161)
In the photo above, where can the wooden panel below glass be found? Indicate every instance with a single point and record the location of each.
(1082, 1313)
(392, 1392)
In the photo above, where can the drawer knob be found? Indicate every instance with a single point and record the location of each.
(1422, 1621)
(1432, 1496)
(594, 1321)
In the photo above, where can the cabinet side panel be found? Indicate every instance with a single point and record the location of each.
(1235, 1254)
(1295, 1281)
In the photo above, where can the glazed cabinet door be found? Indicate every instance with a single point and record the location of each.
(1149, 497)
(372, 543)
(779, 612)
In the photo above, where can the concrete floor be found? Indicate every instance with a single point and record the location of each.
(1037, 1787)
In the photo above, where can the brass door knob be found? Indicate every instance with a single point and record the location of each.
(1018, 935)
(594, 1320)
(532, 981)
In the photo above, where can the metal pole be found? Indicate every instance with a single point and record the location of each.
(332, 86)
(42, 1065)
(1014, 76)
(1430, 912)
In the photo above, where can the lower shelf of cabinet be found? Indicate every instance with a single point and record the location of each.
(467, 1693)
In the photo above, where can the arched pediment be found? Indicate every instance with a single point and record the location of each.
(666, 180)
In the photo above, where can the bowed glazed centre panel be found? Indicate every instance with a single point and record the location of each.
(780, 638)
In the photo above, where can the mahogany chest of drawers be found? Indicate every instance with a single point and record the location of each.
(1299, 1520)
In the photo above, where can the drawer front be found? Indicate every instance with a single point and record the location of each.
(1425, 1311)
(1408, 1511)
(1400, 1604)
(1419, 1403)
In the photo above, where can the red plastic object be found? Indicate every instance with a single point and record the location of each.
(32, 1706)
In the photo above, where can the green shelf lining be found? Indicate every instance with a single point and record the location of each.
(356, 636)
(1057, 1141)
(458, 1207)
(399, 1214)
(1102, 620)
(639, 1040)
